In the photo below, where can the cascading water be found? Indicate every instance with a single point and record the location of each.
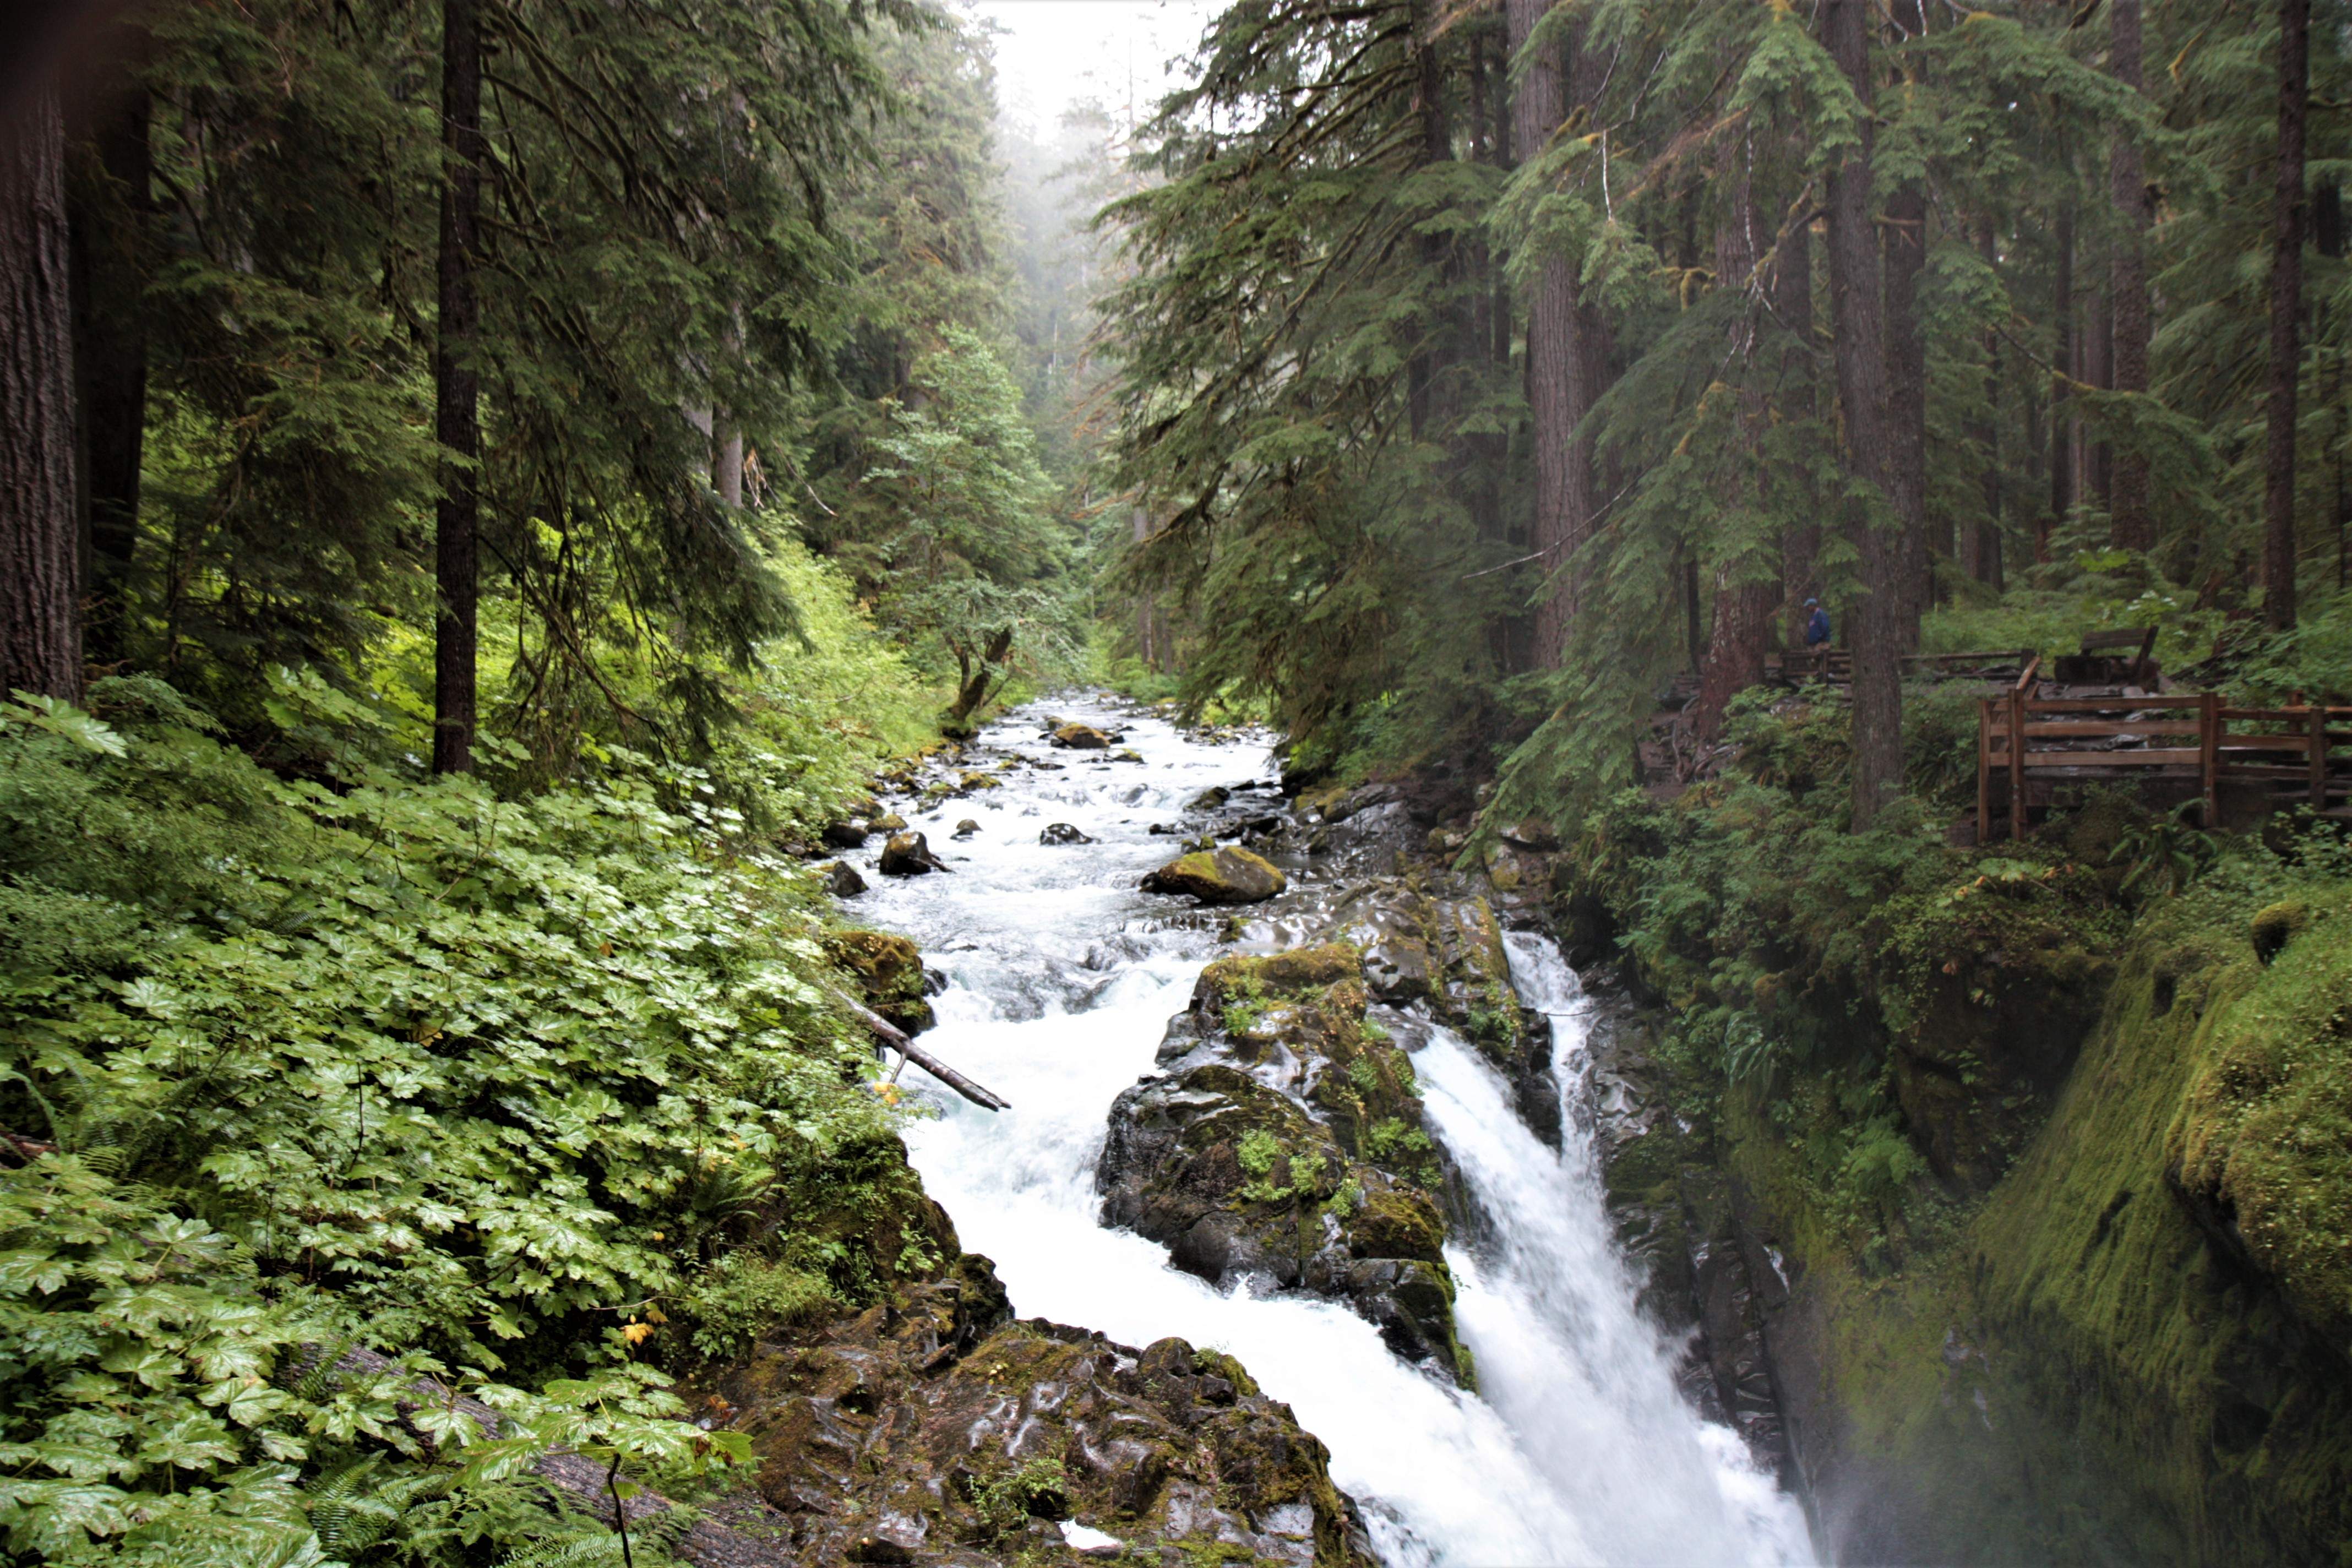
(1061, 978)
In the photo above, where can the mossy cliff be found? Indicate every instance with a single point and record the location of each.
(2137, 1348)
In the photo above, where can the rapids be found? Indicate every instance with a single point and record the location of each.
(1061, 978)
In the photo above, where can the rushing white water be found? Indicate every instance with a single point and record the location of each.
(1062, 977)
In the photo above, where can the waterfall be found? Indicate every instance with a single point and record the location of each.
(1061, 978)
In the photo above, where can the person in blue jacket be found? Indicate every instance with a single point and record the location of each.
(1817, 624)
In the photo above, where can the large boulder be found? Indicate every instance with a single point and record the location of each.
(848, 835)
(1283, 1143)
(1064, 833)
(1226, 875)
(889, 971)
(1082, 738)
(934, 1429)
(908, 855)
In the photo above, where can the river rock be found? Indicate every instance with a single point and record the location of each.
(934, 1429)
(1225, 875)
(841, 878)
(1081, 738)
(1284, 1144)
(889, 822)
(1064, 833)
(889, 971)
(1209, 799)
(847, 835)
(966, 828)
(908, 855)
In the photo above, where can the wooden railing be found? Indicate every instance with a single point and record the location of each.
(2189, 736)
(1835, 664)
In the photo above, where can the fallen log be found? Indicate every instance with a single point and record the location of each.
(898, 1040)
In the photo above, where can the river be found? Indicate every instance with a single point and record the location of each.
(1061, 979)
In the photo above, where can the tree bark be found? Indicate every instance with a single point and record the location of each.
(1876, 614)
(1906, 371)
(1792, 301)
(1984, 554)
(1563, 499)
(1746, 582)
(456, 389)
(2286, 310)
(2062, 363)
(109, 205)
(2131, 523)
(40, 588)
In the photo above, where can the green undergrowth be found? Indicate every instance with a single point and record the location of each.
(535, 1095)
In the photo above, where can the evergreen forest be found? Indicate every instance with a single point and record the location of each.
(501, 499)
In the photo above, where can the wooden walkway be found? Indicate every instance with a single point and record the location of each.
(2033, 744)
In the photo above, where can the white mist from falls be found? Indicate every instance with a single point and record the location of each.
(1062, 977)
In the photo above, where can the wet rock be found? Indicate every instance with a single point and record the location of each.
(1532, 833)
(1127, 754)
(889, 822)
(841, 878)
(1064, 833)
(935, 1430)
(1209, 799)
(847, 835)
(1284, 1145)
(1393, 928)
(908, 855)
(889, 971)
(1081, 738)
(966, 828)
(1221, 876)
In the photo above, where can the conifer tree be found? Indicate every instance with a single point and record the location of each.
(40, 589)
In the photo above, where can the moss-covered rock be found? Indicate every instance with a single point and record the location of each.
(1221, 876)
(1284, 1143)
(888, 972)
(935, 1430)
(1986, 986)
(2133, 1350)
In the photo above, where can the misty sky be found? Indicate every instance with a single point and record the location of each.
(1053, 53)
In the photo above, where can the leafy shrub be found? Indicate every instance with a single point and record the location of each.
(391, 1065)
(726, 1305)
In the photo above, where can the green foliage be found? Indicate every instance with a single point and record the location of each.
(729, 1303)
(1036, 1488)
(401, 1067)
(2165, 853)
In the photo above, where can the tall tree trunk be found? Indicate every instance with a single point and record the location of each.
(1984, 554)
(1876, 614)
(1907, 368)
(109, 205)
(40, 587)
(1792, 301)
(2098, 370)
(2131, 523)
(726, 458)
(1745, 582)
(1590, 367)
(2062, 368)
(456, 389)
(1561, 501)
(2286, 312)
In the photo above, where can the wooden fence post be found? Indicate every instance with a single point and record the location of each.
(2318, 757)
(1984, 771)
(2017, 761)
(2209, 756)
